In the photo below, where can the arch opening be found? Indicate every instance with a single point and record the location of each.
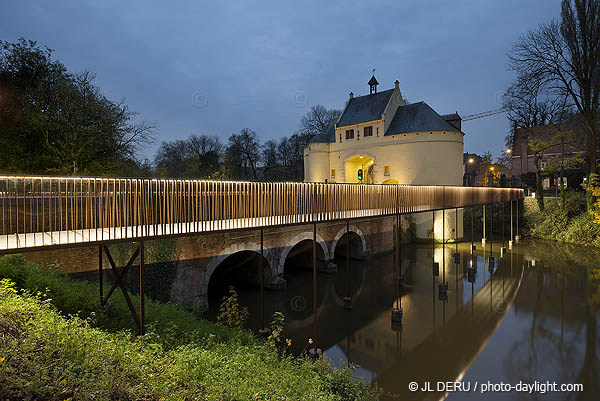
(349, 243)
(300, 258)
(240, 269)
(359, 162)
(391, 181)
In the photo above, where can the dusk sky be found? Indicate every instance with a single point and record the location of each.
(217, 67)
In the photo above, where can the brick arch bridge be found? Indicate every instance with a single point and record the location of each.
(191, 261)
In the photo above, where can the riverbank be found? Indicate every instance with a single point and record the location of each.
(56, 343)
(571, 223)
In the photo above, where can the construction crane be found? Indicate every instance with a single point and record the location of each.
(484, 114)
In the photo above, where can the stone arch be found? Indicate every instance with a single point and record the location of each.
(230, 250)
(353, 228)
(359, 152)
(295, 241)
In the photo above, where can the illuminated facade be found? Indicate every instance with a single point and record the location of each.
(381, 139)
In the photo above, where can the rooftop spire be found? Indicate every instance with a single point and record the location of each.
(373, 84)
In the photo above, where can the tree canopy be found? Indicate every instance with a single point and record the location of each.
(53, 121)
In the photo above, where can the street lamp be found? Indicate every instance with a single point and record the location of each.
(471, 160)
(509, 151)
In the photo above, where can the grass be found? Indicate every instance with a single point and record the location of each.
(54, 347)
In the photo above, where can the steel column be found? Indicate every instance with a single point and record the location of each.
(511, 224)
(100, 279)
(315, 351)
(347, 298)
(263, 330)
(142, 309)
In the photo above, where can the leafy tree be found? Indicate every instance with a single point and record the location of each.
(54, 121)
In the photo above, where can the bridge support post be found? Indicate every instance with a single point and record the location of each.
(397, 309)
(510, 241)
(483, 238)
(100, 279)
(119, 275)
(347, 298)
(263, 330)
(436, 265)
(503, 248)
(517, 237)
(315, 351)
(141, 277)
(473, 247)
(443, 288)
(491, 260)
(456, 253)
(400, 274)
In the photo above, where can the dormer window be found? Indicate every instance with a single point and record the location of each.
(349, 134)
(368, 131)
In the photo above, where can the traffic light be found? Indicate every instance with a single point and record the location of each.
(360, 174)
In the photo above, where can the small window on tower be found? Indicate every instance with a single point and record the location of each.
(332, 173)
(349, 134)
(368, 131)
(386, 170)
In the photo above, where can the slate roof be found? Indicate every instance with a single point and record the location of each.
(327, 136)
(452, 116)
(365, 108)
(418, 117)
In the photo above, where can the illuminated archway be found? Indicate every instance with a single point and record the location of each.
(391, 181)
(358, 162)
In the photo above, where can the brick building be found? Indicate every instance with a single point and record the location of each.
(523, 158)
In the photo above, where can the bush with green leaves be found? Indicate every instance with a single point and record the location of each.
(567, 222)
(231, 313)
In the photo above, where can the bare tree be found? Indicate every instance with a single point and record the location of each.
(565, 58)
(243, 154)
(171, 158)
(206, 152)
(317, 120)
(269, 153)
(531, 106)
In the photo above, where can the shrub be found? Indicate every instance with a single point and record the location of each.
(582, 229)
(231, 314)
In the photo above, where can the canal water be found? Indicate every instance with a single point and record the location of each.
(529, 315)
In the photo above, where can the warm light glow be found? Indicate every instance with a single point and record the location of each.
(508, 150)
(492, 168)
(471, 160)
(361, 156)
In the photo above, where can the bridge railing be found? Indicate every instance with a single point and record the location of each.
(40, 211)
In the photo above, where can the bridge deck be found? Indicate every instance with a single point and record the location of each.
(112, 234)
(47, 212)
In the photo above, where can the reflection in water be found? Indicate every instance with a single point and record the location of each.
(504, 319)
